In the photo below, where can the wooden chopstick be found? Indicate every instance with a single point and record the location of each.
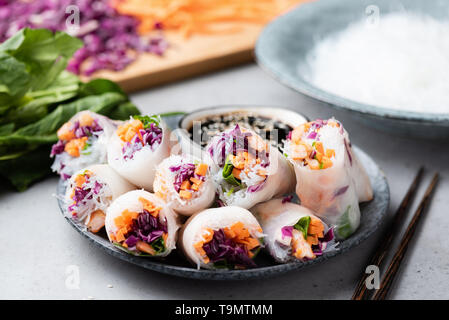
(395, 264)
(361, 292)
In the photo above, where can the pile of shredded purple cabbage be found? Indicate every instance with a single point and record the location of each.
(151, 136)
(110, 40)
(80, 131)
(145, 228)
(184, 172)
(222, 249)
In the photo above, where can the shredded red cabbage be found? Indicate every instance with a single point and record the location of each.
(145, 228)
(80, 131)
(287, 199)
(151, 136)
(110, 39)
(287, 231)
(223, 250)
(340, 191)
(184, 172)
(256, 187)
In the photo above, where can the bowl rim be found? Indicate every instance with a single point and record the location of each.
(242, 107)
(301, 85)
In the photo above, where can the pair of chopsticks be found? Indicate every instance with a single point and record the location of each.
(361, 292)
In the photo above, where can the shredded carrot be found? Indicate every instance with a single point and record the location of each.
(201, 169)
(201, 16)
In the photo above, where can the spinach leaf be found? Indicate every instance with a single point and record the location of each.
(158, 245)
(227, 173)
(344, 228)
(148, 120)
(303, 225)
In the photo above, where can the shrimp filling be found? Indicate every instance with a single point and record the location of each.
(142, 232)
(231, 247)
(138, 133)
(306, 238)
(89, 200)
(304, 145)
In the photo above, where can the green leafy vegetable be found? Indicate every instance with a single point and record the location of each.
(303, 225)
(344, 228)
(158, 245)
(37, 96)
(227, 173)
(148, 120)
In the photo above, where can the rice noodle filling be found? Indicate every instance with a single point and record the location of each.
(89, 194)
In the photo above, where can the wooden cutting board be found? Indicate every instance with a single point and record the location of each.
(187, 57)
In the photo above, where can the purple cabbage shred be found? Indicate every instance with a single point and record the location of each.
(110, 40)
(224, 250)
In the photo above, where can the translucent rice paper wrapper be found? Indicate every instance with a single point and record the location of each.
(164, 186)
(274, 215)
(105, 186)
(333, 193)
(280, 175)
(215, 219)
(140, 170)
(66, 165)
(130, 201)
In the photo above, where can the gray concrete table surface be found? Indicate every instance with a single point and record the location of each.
(39, 246)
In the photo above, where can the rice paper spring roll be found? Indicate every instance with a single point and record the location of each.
(226, 237)
(137, 147)
(140, 223)
(330, 180)
(185, 184)
(292, 231)
(247, 169)
(82, 141)
(89, 193)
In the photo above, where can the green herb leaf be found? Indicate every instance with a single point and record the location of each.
(344, 228)
(158, 245)
(227, 173)
(303, 225)
(148, 120)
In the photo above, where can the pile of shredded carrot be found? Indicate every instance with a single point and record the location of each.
(201, 16)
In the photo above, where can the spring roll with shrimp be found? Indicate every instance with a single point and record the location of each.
(185, 184)
(141, 224)
(90, 192)
(247, 169)
(330, 180)
(292, 231)
(137, 147)
(82, 142)
(226, 237)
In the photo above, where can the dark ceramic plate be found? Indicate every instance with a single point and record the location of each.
(284, 44)
(372, 215)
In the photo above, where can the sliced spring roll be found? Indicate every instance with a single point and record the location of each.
(292, 231)
(226, 237)
(89, 193)
(141, 224)
(247, 169)
(82, 141)
(330, 179)
(185, 184)
(137, 147)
